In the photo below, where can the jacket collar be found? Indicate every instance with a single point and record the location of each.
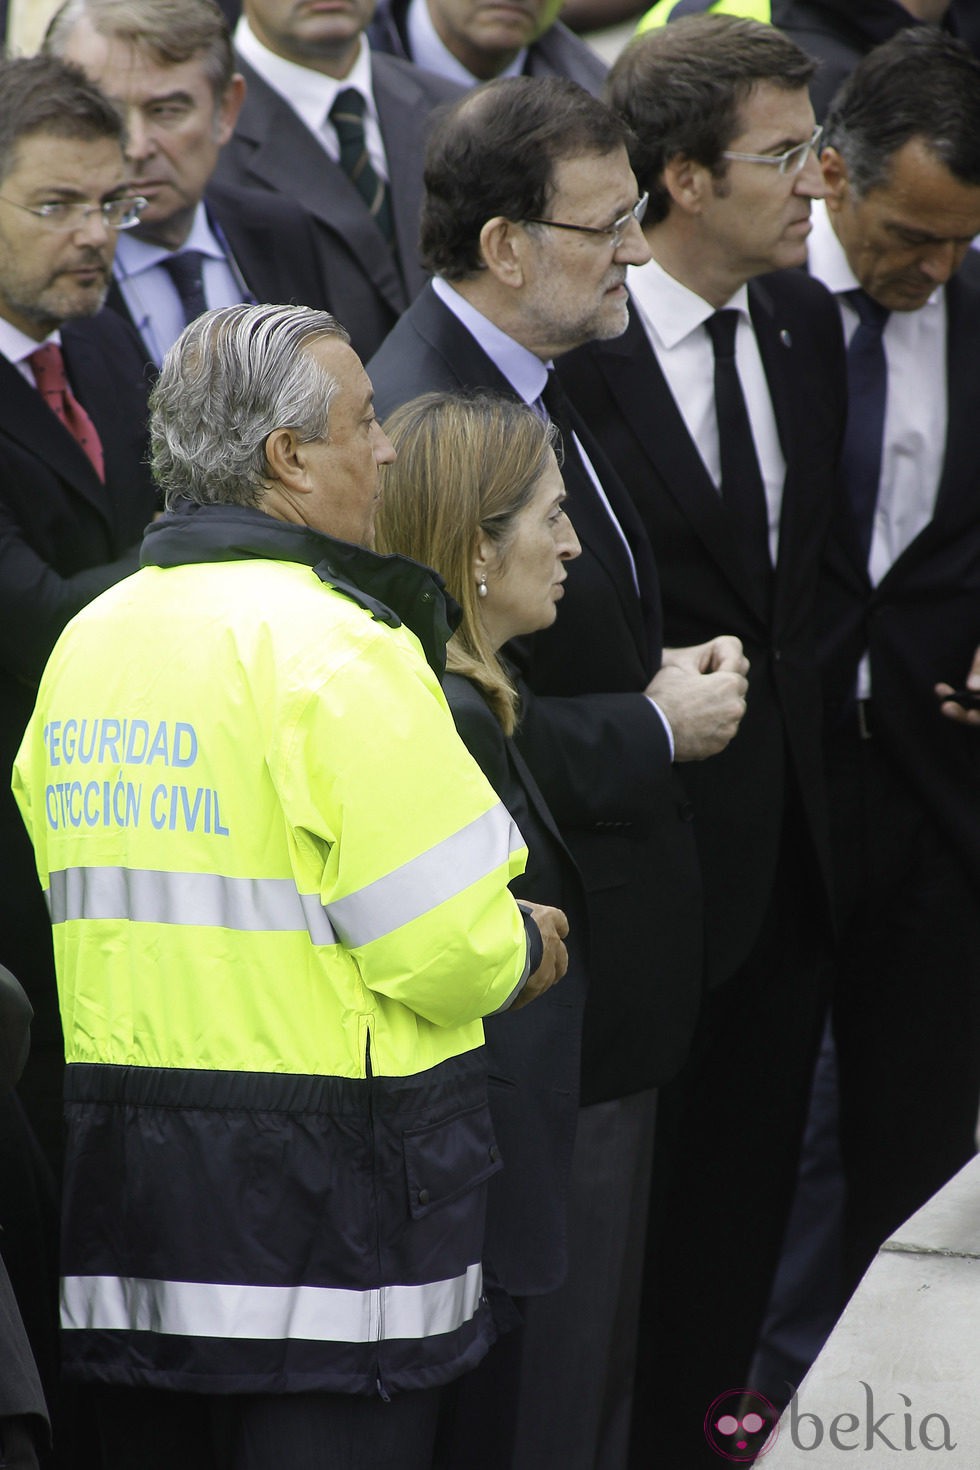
(393, 589)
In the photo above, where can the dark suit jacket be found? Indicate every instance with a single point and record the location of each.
(558, 53)
(921, 624)
(595, 745)
(533, 1055)
(273, 149)
(64, 537)
(837, 33)
(738, 796)
(273, 244)
(20, 1387)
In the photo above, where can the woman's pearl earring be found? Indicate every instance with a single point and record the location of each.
(481, 589)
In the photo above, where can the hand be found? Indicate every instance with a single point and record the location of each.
(719, 655)
(701, 690)
(553, 927)
(956, 711)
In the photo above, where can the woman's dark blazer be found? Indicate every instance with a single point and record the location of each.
(534, 1053)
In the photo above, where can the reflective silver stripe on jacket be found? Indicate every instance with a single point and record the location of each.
(151, 896)
(428, 880)
(272, 1313)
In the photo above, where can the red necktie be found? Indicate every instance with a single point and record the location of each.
(48, 367)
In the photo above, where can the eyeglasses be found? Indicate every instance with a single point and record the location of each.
(789, 163)
(117, 214)
(614, 233)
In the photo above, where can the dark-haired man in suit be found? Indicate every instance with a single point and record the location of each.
(75, 491)
(341, 130)
(900, 623)
(722, 408)
(168, 65)
(530, 219)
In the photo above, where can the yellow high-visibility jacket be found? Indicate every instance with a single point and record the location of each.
(278, 889)
(666, 10)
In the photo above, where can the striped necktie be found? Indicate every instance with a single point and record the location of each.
(347, 116)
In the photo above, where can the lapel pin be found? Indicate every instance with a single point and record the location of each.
(785, 338)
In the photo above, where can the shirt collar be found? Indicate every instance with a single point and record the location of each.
(828, 259)
(16, 346)
(526, 373)
(672, 309)
(427, 49)
(309, 93)
(134, 256)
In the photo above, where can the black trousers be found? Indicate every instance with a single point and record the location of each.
(907, 1006)
(146, 1429)
(729, 1132)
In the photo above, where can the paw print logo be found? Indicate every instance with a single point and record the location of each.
(740, 1425)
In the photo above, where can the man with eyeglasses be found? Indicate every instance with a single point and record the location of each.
(722, 408)
(168, 66)
(530, 220)
(75, 491)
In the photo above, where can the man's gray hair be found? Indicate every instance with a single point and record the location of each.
(232, 378)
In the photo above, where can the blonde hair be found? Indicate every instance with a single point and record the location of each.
(466, 464)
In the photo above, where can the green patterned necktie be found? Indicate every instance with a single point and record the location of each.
(347, 116)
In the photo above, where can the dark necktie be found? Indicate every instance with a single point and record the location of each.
(347, 116)
(48, 367)
(867, 389)
(742, 488)
(555, 401)
(186, 269)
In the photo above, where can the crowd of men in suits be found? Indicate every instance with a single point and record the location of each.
(760, 346)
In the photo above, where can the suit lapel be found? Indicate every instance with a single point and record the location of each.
(956, 500)
(638, 386)
(595, 529)
(535, 799)
(403, 111)
(285, 156)
(250, 254)
(116, 302)
(29, 421)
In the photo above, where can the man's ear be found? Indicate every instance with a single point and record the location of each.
(502, 245)
(835, 177)
(687, 183)
(229, 106)
(285, 457)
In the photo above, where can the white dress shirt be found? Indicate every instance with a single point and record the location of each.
(528, 376)
(914, 442)
(427, 49)
(673, 318)
(150, 294)
(915, 403)
(311, 94)
(17, 347)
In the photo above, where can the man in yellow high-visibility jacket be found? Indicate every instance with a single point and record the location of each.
(278, 885)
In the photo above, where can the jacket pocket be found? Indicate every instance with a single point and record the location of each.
(447, 1159)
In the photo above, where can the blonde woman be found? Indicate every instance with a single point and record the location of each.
(476, 492)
